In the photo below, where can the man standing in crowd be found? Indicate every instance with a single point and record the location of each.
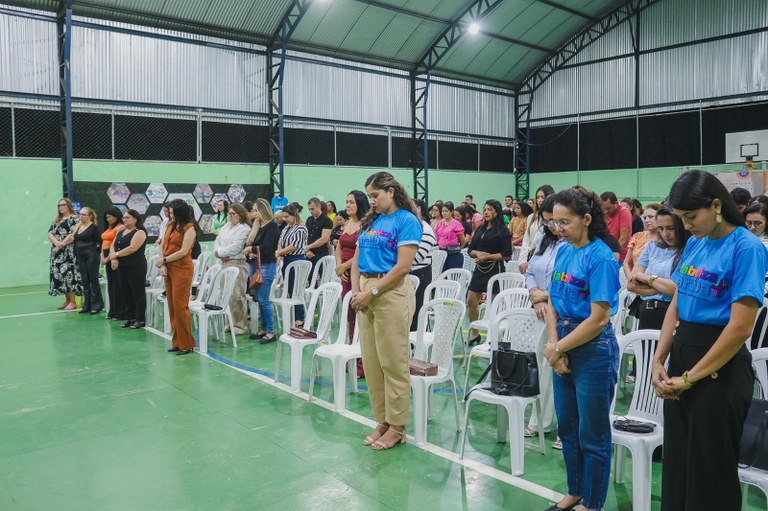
(619, 221)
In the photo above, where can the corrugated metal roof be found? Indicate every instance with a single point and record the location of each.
(392, 33)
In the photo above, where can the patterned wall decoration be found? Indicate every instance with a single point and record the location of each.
(148, 198)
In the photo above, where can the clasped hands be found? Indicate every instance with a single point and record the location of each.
(558, 361)
(666, 387)
(361, 300)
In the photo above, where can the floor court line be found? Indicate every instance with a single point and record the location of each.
(30, 314)
(499, 475)
(27, 293)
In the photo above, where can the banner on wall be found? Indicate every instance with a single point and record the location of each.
(148, 199)
(751, 180)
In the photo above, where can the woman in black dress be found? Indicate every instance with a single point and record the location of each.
(65, 277)
(490, 247)
(126, 255)
(87, 241)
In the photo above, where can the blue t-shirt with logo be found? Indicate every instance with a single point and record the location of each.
(582, 276)
(378, 243)
(712, 274)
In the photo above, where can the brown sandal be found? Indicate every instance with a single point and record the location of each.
(382, 445)
(377, 433)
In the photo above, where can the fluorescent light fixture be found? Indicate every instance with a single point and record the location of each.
(474, 28)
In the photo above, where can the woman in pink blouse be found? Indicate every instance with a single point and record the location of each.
(450, 237)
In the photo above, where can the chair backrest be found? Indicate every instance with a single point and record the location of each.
(448, 315)
(520, 328)
(619, 320)
(222, 287)
(516, 253)
(414, 280)
(327, 296)
(514, 298)
(152, 269)
(512, 266)
(158, 283)
(300, 270)
(469, 263)
(342, 337)
(438, 260)
(623, 279)
(645, 404)
(150, 250)
(760, 362)
(442, 289)
(459, 275)
(325, 271)
(199, 268)
(760, 328)
(206, 283)
(503, 281)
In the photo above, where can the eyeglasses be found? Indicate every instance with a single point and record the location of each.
(554, 224)
(231, 213)
(758, 224)
(62, 205)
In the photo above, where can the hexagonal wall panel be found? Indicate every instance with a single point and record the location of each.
(236, 194)
(152, 225)
(156, 193)
(139, 202)
(203, 193)
(216, 198)
(118, 193)
(189, 199)
(205, 223)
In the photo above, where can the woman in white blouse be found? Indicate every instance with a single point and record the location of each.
(533, 229)
(228, 248)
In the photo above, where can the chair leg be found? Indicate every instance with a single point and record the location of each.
(539, 413)
(296, 353)
(353, 374)
(278, 352)
(339, 385)
(420, 410)
(232, 328)
(468, 363)
(202, 334)
(641, 478)
(618, 476)
(516, 442)
(166, 317)
(456, 404)
(311, 382)
(463, 436)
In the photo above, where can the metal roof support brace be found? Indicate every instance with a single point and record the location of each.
(275, 75)
(420, 138)
(524, 96)
(475, 12)
(64, 44)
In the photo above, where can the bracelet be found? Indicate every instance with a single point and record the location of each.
(687, 381)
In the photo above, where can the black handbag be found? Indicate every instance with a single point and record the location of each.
(753, 449)
(513, 373)
(633, 426)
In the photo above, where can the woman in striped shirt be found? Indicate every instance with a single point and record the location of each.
(422, 263)
(290, 247)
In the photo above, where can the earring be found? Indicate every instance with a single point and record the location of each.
(719, 218)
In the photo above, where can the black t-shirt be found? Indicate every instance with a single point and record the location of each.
(315, 228)
(613, 244)
(637, 225)
(89, 239)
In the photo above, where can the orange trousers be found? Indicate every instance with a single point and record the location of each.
(178, 284)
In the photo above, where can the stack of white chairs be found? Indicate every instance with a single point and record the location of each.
(199, 266)
(324, 271)
(156, 289)
(340, 354)
(524, 332)
(438, 261)
(152, 269)
(646, 407)
(750, 475)
(439, 289)
(289, 299)
(469, 263)
(514, 298)
(221, 291)
(506, 280)
(328, 295)
(461, 276)
(448, 315)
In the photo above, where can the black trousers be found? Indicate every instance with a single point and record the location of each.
(651, 318)
(113, 284)
(425, 277)
(88, 262)
(703, 429)
(133, 291)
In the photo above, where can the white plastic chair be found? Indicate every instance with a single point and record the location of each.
(645, 406)
(340, 354)
(152, 269)
(503, 281)
(623, 278)
(221, 291)
(199, 268)
(438, 261)
(329, 294)
(325, 271)
(512, 266)
(291, 298)
(461, 276)
(469, 263)
(437, 289)
(448, 314)
(524, 332)
(156, 289)
(514, 298)
(750, 475)
(414, 280)
(759, 329)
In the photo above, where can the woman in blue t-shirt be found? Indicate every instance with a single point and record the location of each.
(390, 234)
(708, 383)
(582, 347)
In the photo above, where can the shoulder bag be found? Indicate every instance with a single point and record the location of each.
(753, 449)
(513, 373)
(257, 279)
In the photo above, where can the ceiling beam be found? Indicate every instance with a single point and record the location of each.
(569, 10)
(288, 23)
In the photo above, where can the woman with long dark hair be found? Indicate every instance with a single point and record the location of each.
(517, 225)
(176, 265)
(422, 263)
(450, 236)
(389, 238)
(490, 247)
(357, 207)
(64, 275)
(533, 229)
(756, 216)
(582, 347)
(708, 383)
(290, 247)
(219, 219)
(113, 223)
(126, 256)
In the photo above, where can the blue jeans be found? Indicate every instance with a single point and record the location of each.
(266, 318)
(583, 402)
(289, 285)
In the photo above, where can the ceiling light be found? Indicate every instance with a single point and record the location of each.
(474, 28)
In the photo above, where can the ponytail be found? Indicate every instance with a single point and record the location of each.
(582, 202)
(385, 181)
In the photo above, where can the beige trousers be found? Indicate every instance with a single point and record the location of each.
(384, 343)
(237, 303)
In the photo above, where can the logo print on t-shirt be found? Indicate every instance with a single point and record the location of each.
(581, 284)
(717, 286)
(378, 234)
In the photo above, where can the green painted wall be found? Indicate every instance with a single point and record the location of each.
(30, 189)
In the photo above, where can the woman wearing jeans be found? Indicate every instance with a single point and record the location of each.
(262, 242)
(708, 384)
(582, 347)
(290, 246)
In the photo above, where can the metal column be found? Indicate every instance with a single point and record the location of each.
(64, 43)
(275, 120)
(420, 138)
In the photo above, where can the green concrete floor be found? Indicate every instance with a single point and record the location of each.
(96, 417)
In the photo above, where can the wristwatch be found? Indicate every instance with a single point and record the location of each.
(652, 279)
(557, 349)
(375, 291)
